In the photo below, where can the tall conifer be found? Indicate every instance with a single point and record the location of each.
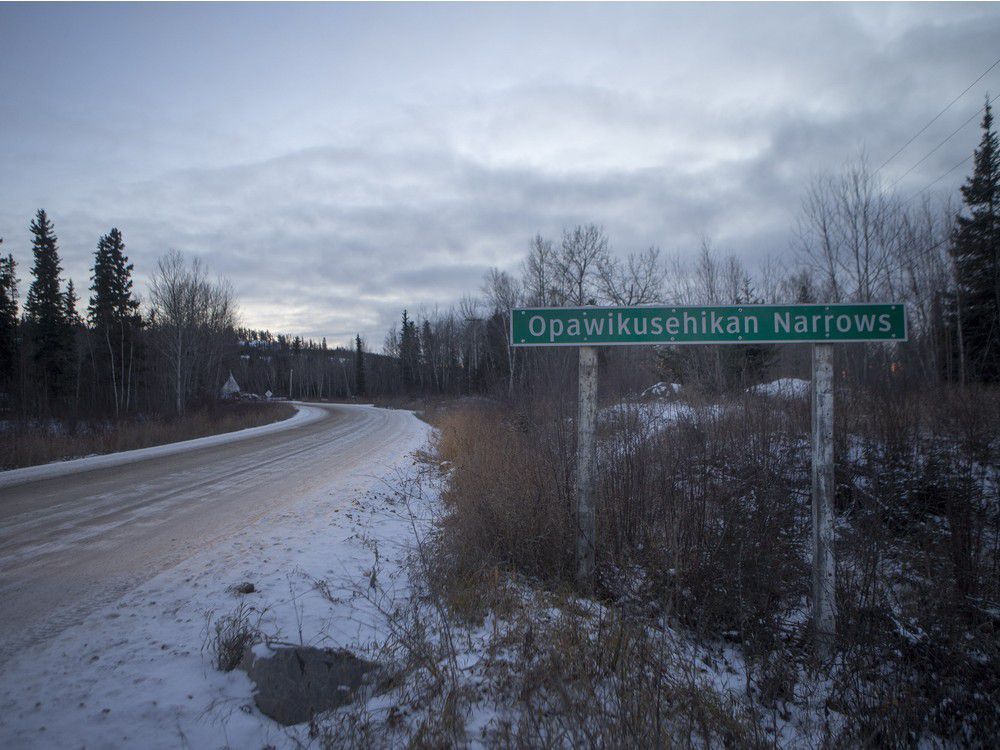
(114, 314)
(111, 300)
(359, 367)
(976, 253)
(8, 320)
(45, 310)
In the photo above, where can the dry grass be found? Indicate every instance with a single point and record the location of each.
(229, 636)
(507, 496)
(549, 670)
(586, 680)
(687, 518)
(29, 445)
(707, 522)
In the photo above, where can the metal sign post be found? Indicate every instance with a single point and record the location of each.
(819, 324)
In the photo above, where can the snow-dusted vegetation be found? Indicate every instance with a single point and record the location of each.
(697, 630)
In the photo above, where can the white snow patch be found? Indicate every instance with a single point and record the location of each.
(661, 389)
(783, 388)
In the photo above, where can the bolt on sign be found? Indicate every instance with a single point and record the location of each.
(734, 324)
(822, 325)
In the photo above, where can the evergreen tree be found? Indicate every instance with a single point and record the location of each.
(45, 311)
(426, 353)
(975, 249)
(8, 320)
(747, 364)
(114, 314)
(76, 330)
(359, 367)
(409, 351)
(72, 317)
(112, 300)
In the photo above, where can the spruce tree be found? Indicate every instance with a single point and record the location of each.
(409, 351)
(975, 249)
(8, 321)
(359, 367)
(71, 298)
(114, 314)
(111, 301)
(45, 311)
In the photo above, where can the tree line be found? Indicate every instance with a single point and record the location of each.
(118, 359)
(110, 360)
(855, 241)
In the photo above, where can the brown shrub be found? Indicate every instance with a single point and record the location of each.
(507, 497)
(707, 518)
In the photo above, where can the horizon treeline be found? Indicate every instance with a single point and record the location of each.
(855, 241)
(118, 359)
(109, 359)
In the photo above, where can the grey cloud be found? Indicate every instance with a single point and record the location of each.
(664, 133)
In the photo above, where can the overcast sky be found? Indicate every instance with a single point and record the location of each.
(340, 162)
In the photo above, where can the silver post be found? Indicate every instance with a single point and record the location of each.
(824, 604)
(586, 459)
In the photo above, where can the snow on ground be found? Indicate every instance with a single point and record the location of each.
(661, 389)
(304, 415)
(783, 388)
(656, 416)
(653, 417)
(134, 674)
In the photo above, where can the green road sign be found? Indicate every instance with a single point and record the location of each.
(730, 324)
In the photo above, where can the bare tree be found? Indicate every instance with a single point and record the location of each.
(191, 316)
(638, 280)
(503, 293)
(849, 233)
(538, 272)
(584, 250)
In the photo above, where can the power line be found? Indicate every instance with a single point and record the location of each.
(935, 118)
(953, 133)
(935, 182)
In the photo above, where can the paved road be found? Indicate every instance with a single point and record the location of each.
(71, 544)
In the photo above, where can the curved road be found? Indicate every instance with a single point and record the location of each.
(73, 543)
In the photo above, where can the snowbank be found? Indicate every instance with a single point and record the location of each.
(652, 416)
(304, 415)
(783, 388)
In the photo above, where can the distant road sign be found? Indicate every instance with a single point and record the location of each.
(730, 324)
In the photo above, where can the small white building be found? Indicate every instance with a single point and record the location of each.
(231, 389)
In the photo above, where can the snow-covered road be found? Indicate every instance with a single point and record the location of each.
(73, 543)
(108, 579)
